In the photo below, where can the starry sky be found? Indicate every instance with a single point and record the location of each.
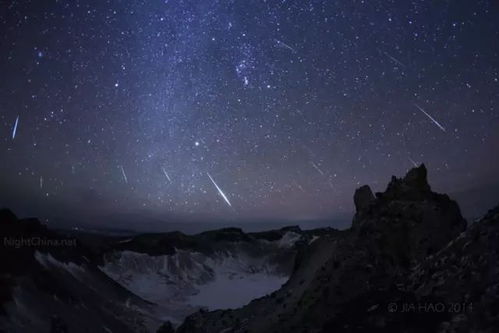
(241, 110)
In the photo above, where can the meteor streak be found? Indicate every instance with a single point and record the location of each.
(14, 130)
(395, 60)
(430, 117)
(124, 174)
(317, 168)
(166, 174)
(286, 46)
(219, 190)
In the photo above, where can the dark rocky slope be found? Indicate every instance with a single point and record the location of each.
(48, 283)
(58, 281)
(408, 264)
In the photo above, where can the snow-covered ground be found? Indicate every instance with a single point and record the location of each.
(229, 292)
(185, 281)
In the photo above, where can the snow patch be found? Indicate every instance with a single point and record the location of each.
(216, 281)
(46, 260)
(230, 292)
(128, 240)
(314, 238)
(288, 239)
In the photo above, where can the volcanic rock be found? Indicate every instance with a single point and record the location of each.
(345, 281)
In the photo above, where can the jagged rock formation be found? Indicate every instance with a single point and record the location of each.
(408, 264)
(407, 255)
(363, 197)
(408, 221)
(465, 275)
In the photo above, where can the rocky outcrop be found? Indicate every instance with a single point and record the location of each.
(414, 186)
(408, 221)
(454, 290)
(166, 327)
(408, 264)
(363, 197)
(349, 281)
(464, 275)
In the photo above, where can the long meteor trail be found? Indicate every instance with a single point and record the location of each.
(166, 174)
(316, 167)
(395, 60)
(430, 117)
(220, 190)
(14, 130)
(124, 174)
(284, 45)
(413, 162)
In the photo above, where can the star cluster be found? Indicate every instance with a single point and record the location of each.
(241, 110)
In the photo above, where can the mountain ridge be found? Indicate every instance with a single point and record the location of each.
(371, 277)
(408, 253)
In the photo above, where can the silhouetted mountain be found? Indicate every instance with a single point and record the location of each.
(409, 263)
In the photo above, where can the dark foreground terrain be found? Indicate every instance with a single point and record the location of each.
(409, 263)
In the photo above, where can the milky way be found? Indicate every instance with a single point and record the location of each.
(114, 107)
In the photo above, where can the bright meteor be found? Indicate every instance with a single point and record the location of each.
(430, 117)
(220, 190)
(14, 130)
(166, 174)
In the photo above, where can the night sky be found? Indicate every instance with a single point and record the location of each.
(241, 110)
